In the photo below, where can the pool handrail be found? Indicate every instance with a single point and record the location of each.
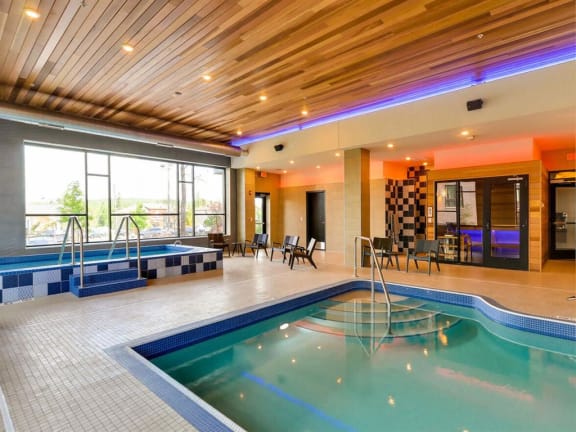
(127, 219)
(73, 222)
(373, 260)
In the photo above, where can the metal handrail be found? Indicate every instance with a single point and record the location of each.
(128, 219)
(372, 262)
(73, 222)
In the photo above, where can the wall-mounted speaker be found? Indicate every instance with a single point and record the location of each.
(279, 147)
(475, 104)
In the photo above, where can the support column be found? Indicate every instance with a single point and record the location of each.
(245, 189)
(356, 200)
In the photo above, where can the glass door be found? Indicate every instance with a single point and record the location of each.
(459, 220)
(506, 222)
(563, 218)
(484, 221)
(260, 213)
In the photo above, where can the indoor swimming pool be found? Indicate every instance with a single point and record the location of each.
(29, 276)
(332, 360)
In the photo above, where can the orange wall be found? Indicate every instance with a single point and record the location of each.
(558, 160)
(487, 154)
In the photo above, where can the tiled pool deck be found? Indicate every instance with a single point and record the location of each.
(56, 375)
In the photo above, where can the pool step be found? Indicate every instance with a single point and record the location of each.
(105, 282)
(362, 319)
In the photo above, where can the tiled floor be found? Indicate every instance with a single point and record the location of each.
(56, 375)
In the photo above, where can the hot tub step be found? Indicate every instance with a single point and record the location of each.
(106, 282)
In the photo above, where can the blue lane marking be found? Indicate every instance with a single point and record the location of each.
(309, 407)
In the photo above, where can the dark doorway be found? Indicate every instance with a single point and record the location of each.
(316, 218)
(563, 215)
(261, 213)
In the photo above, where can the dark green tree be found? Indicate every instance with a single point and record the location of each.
(72, 202)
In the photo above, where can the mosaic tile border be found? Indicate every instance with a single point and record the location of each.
(134, 356)
(29, 283)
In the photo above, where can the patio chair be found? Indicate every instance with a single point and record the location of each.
(290, 242)
(260, 241)
(424, 250)
(306, 254)
(216, 241)
(383, 247)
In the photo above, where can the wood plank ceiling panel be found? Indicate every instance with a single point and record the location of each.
(325, 55)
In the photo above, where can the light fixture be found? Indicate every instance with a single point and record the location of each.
(206, 77)
(284, 171)
(337, 154)
(390, 145)
(263, 98)
(239, 132)
(127, 48)
(291, 162)
(465, 132)
(284, 326)
(304, 112)
(408, 158)
(31, 13)
(317, 166)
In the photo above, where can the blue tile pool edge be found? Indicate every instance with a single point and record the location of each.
(135, 354)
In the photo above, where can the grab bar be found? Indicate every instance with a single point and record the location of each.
(127, 220)
(72, 223)
(372, 262)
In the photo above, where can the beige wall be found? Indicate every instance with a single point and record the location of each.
(271, 185)
(378, 208)
(294, 199)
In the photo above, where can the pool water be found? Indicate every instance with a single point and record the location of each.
(90, 256)
(343, 365)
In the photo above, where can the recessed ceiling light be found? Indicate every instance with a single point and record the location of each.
(239, 132)
(337, 154)
(263, 98)
(291, 162)
(284, 171)
(390, 145)
(408, 158)
(480, 35)
(425, 164)
(465, 132)
(206, 77)
(31, 13)
(304, 112)
(317, 166)
(127, 48)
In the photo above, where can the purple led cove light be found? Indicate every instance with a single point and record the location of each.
(495, 73)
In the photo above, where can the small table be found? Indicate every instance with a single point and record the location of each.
(238, 246)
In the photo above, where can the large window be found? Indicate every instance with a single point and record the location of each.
(165, 198)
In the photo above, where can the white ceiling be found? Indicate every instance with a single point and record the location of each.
(538, 106)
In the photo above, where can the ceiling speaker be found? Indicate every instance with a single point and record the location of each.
(475, 104)
(279, 147)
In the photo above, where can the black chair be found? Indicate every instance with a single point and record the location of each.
(424, 250)
(306, 254)
(216, 240)
(383, 247)
(260, 241)
(290, 242)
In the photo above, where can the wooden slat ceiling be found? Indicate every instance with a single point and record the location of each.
(325, 55)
